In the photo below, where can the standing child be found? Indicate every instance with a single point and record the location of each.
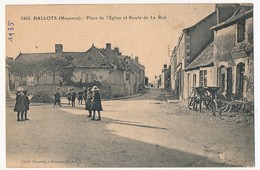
(19, 104)
(96, 105)
(69, 96)
(57, 97)
(88, 102)
(80, 97)
(73, 97)
(26, 103)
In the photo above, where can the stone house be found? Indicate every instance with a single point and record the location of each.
(119, 75)
(191, 43)
(233, 51)
(166, 78)
(28, 70)
(200, 72)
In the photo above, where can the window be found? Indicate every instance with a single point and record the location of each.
(203, 78)
(194, 80)
(241, 31)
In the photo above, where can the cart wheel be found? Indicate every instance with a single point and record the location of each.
(224, 108)
(241, 108)
(229, 108)
(237, 107)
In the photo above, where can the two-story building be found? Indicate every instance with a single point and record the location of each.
(233, 51)
(191, 43)
(119, 75)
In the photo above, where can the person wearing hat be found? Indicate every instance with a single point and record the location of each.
(88, 102)
(20, 104)
(57, 97)
(80, 97)
(73, 97)
(69, 95)
(96, 105)
(26, 103)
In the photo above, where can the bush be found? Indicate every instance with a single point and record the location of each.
(41, 97)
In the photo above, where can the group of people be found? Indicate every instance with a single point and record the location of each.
(22, 104)
(93, 102)
(91, 96)
(92, 99)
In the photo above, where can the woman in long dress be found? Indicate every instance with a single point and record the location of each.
(96, 105)
(88, 102)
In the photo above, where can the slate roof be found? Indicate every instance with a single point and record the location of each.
(205, 58)
(242, 11)
(33, 57)
(91, 58)
(112, 58)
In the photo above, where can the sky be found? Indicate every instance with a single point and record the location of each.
(150, 37)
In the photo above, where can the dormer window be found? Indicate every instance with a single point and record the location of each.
(241, 31)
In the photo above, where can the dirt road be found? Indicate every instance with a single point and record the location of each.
(140, 132)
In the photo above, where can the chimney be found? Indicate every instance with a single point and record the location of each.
(225, 11)
(136, 59)
(58, 48)
(108, 46)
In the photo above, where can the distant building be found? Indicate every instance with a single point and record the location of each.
(119, 75)
(157, 81)
(122, 75)
(166, 78)
(191, 43)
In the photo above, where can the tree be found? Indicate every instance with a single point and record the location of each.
(54, 65)
(21, 68)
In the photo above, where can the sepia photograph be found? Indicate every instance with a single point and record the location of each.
(131, 85)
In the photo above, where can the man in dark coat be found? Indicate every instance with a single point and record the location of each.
(73, 97)
(69, 96)
(20, 103)
(96, 105)
(80, 97)
(57, 97)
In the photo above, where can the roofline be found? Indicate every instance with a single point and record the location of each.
(87, 67)
(197, 67)
(19, 55)
(189, 28)
(246, 15)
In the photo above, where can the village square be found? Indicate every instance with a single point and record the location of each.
(98, 108)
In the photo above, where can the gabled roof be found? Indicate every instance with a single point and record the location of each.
(33, 57)
(244, 11)
(204, 59)
(73, 55)
(91, 58)
(201, 21)
(112, 58)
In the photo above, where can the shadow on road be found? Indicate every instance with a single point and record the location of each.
(138, 125)
(62, 135)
